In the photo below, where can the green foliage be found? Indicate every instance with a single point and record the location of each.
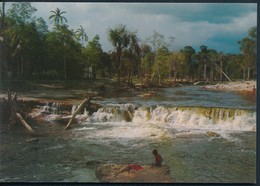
(119, 37)
(187, 54)
(81, 34)
(22, 12)
(248, 48)
(93, 55)
(57, 17)
(32, 51)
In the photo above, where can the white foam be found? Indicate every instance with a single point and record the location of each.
(190, 119)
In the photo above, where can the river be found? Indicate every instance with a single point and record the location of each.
(175, 121)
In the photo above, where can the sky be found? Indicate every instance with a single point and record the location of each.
(217, 25)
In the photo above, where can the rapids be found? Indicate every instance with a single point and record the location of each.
(127, 129)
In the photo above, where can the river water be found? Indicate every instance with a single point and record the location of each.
(175, 121)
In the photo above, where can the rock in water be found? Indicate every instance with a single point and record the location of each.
(151, 174)
(212, 134)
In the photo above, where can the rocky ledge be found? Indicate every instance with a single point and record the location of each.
(149, 174)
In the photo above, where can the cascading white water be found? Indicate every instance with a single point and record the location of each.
(114, 112)
(51, 108)
(179, 117)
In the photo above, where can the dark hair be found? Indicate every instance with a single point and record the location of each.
(155, 152)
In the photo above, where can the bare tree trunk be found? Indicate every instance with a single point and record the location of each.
(221, 68)
(248, 73)
(244, 73)
(24, 123)
(119, 66)
(158, 71)
(22, 65)
(65, 67)
(224, 73)
(205, 71)
(211, 71)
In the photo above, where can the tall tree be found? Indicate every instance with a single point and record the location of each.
(22, 12)
(204, 59)
(21, 36)
(248, 49)
(93, 53)
(146, 62)
(82, 35)
(57, 17)
(212, 56)
(157, 41)
(119, 38)
(187, 54)
(162, 66)
(135, 55)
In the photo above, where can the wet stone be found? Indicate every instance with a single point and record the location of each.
(149, 174)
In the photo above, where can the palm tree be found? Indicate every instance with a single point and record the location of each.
(119, 38)
(57, 17)
(81, 34)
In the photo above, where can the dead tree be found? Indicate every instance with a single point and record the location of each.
(14, 111)
(224, 73)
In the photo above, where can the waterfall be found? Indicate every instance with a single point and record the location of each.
(114, 112)
(179, 116)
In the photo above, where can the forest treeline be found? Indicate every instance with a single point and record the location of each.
(32, 51)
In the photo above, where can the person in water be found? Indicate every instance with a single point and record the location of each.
(158, 158)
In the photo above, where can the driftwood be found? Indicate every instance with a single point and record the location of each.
(24, 122)
(81, 106)
(14, 111)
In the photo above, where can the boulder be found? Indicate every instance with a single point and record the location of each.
(115, 173)
(212, 134)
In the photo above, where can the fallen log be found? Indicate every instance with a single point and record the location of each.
(81, 106)
(14, 111)
(24, 122)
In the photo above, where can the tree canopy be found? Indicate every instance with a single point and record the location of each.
(30, 50)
